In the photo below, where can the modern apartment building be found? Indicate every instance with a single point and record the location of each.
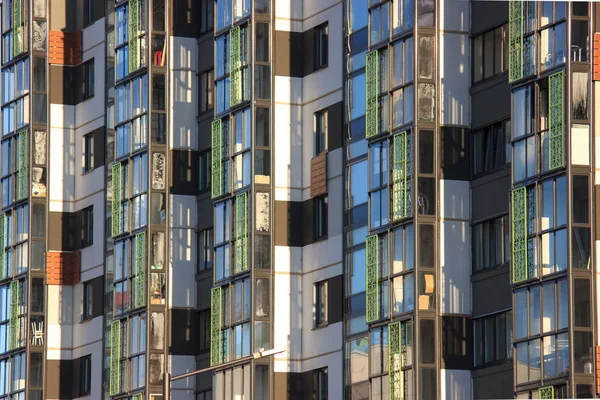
(356, 199)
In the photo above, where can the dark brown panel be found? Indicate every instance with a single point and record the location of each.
(185, 172)
(455, 154)
(98, 9)
(308, 52)
(307, 223)
(97, 296)
(335, 126)
(61, 236)
(289, 223)
(184, 332)
(99, 147)
(335, 299)
(318, 175)
(62, 81)
(289, 386)
(456, 344)
(289, 58)
(59, 376)
(186, 18)
(294, 222)
(75, 378)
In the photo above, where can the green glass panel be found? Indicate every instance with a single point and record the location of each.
(137, 396)
(400, 177)
(116, 199)
(235, 85)
(217, 159)
(140, 269)
(372, 277)
(216, 353)
(515, 40)
(13, 315)
(519, 234)
(396, 382)
(22, 165)
(115, 357)
(372, 92)
(134, 50)
(241, 232)
(17, 27)
(546, 392)
(556, 121)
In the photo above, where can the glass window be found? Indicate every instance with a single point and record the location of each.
(425, 13)
(403, 15)
(380, 23)
(580, 37)
(357, 15)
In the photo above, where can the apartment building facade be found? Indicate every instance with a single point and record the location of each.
(395, 197)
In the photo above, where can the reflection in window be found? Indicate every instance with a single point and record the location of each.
(580, 95)
(553, 46)
(380, 23)
(425, 12)
(403, 15)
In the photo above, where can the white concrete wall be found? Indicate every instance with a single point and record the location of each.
(183, 93)
(455, 246)
(297, 269)
(70, 190)
(455, 384)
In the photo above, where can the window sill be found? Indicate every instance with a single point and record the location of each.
(86, 320)
(89, 171)
(321, 326)
(321, 239)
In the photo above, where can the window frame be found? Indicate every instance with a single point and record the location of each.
(321, 47)
(321, 216)
(206, 88)
(320, 304)
(89, 79)
(321, 124)
(503, 54)
(320, 384)
(88, 152)
(495, 138)
(85, 383)
(478, 231)
(480, 341)
(88, 301)
(87, 227)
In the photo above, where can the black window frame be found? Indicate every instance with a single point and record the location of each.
(88, 152)
(206, 91)
(206, 243)
(87, 226)
(491, 148)
(88, 301)
(321, 131)
(320, 384)
(321, 297)
(480, 341)
(88, 12)
(320, 208)
(89, 79)
(206, 16)
(321, 60)
(85, 383)
(503, 53)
